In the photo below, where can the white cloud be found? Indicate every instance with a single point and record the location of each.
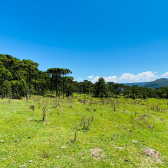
(107, 79)
(146, 76)
(165, 74)
(80, 79)
(110, 79)
(95, 79)
(90, 77)
(127, 77)
(141, 77)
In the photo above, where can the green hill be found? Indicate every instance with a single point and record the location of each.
(139, 83)
(157, 83)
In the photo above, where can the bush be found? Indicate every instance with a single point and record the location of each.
(133, 96)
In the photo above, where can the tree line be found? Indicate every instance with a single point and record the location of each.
(22, 78)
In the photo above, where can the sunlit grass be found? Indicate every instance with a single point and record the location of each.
(50, 143)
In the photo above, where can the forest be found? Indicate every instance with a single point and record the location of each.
(20, 78)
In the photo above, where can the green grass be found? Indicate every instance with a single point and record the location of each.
(110, 131)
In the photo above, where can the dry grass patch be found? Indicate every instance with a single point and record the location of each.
(153, 154)
(97, 153)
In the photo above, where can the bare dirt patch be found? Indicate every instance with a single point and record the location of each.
(118, 147)
(153, 154)
(97, 153)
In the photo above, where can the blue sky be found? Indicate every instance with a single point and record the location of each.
(122, 41)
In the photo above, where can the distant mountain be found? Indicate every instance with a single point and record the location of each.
(139, 83)
(157, 83)
(153, 84)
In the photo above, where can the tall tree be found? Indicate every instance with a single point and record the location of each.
(55, 73)
(5, 75)
(68, 85)
(111, 88)
(101, 88)
(30, 68)
(117, 89)
(127, 90)
(65, 72)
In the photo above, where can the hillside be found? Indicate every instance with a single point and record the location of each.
(139, 83)
(153, 84)
(157, 83)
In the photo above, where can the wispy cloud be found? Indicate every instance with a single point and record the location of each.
(90, 77)
(127, 77)
(80, 79)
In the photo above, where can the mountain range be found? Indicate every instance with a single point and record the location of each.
(153, 84)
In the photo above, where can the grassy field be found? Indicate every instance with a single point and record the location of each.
(83, 132)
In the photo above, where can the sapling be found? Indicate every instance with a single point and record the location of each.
(76, 132)
(147, 107)
(9, 98)
(114, 107)
(84, 100)
(44, 109)
(90, 101)
(86, 124)
(58, 101)
(44, 112)
(68, 99)
(45, 155)
(89, 123)
(32, 107)
(92, 118)
(55, 103)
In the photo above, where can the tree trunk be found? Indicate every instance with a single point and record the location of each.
(2, 89)
(56, 86)
(27, 88)
(63, 86)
